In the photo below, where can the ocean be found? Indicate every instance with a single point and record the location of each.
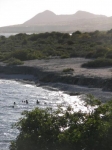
(13, 91)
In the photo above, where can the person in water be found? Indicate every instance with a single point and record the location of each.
(14, 104)
(37, 101)
(26, 101)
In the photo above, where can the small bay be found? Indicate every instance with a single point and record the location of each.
(13, 91)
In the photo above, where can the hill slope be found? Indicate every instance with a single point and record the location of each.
(48, 21)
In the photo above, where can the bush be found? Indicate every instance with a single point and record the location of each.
(65, 129)
(100, 62)
(100, 52)
(63, 56)
(67, 70)
(13, 61)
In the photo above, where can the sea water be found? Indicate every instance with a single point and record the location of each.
(12, 91)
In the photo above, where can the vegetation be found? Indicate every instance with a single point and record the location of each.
(68, 70)
(47, 45)
(13, 61)
(100, 62)
(66, 129)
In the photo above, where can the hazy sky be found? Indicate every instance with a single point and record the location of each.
(18, 11)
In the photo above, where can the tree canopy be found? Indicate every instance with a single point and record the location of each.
(66, 129)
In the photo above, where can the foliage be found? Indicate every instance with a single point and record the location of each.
(13, 61)
(66, 129)
(67, 70)
(100, 62)
(63, 56)
(45, 45)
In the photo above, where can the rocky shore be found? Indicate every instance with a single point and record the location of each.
(49, 74)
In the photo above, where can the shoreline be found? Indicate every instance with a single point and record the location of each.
(66, 88)
(48, 73)
(75, 90)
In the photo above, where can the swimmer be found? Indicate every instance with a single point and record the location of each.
(26, 101)
(37, 102)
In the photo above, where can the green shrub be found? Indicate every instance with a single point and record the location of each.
(64, 56)
(67, 70)
(100, 52)
(109, 54)
(13, 61)
(70, 42)
(100, 62)
(77, 32)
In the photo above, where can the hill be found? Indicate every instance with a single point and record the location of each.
(48, 21)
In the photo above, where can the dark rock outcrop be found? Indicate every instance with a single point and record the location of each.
(49, 77)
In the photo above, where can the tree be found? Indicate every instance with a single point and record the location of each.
(65, 129)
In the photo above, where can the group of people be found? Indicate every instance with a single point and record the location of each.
(26, 101)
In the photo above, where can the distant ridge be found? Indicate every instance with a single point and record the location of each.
(48, 21)
(51, 18)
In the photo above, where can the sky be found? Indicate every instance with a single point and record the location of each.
(18, 11)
